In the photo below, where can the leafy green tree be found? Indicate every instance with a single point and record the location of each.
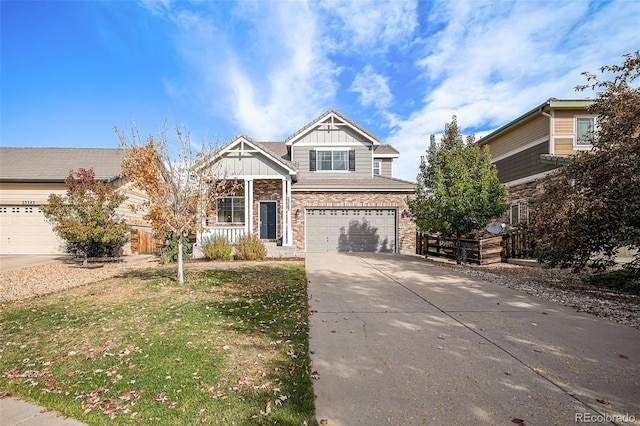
(590, 209)
(458, 190)
(86, 217)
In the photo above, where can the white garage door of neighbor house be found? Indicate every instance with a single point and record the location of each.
(24, 230)
(350, 230)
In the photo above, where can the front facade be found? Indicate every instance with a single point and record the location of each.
(534, 145)
(29, 175)
(328, 187)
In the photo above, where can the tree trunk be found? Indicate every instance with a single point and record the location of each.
(180, 261)
(458, 250)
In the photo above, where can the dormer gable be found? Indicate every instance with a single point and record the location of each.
(243, 156)
(332, 120)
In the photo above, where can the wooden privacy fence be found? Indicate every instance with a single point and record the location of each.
(518, 245)
(143, 242)
(483, 251)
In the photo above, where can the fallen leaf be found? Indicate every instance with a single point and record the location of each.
(5, 394)
(603, 401)
(517, 421)
(623, 356)
(324, 421)
(315, 375)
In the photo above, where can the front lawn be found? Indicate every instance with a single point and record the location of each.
(230, 347)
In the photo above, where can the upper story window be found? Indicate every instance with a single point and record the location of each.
(332, 160)
(377, 167)
(585, 126)
(230, 210)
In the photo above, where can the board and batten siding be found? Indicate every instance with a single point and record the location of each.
(526, 133)
(523, 164)
(333, 139)
(247, 164)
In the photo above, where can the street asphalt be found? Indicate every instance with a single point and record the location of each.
(396, 340)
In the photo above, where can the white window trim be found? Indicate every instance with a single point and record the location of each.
(379, 167)
(332, 150)
(582, 147)
(232, 215)
(523, 213)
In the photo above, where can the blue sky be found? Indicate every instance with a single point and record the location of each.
(70, 71)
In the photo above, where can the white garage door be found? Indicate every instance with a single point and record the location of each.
(24, 230)
(350, 230)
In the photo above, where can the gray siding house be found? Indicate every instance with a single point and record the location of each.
(328, 187)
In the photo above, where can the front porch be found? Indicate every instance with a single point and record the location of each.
(258, 206)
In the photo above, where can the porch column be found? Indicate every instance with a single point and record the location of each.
(248, 206)
(287, 229)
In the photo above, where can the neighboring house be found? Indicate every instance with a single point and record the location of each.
(326, 188)
(29, 175)
(534, 145)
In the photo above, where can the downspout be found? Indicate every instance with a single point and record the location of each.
(551, 139)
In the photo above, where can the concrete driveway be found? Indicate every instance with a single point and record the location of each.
(400, 341)
(15, 262)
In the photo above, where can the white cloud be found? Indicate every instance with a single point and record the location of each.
(372, 23)
(373, 89)
(489, 65)
(268, 76)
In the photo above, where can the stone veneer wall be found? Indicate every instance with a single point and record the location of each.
(302, 200)
(521, 194)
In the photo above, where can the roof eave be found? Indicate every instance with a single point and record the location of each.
(551, 103)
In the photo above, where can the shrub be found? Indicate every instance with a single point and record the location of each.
(250, 248)
(169, 253)
(217, 248)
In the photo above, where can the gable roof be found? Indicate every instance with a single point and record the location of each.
(336, 119)
(26, 164)
(549, 104)
(263, 147)
(385, 151)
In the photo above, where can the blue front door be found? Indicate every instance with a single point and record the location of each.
(268, 220)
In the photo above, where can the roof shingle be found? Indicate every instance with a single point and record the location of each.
(26, 164)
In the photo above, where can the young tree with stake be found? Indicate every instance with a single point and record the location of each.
(181, 188)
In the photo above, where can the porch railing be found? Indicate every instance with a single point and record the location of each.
(231, 233)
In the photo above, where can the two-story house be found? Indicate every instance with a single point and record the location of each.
(328, 187)
(534, 145)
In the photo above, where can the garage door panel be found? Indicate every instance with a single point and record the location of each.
(351, 230)
(24, 230)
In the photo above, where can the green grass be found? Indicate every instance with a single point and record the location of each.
(230, 347)
(626, 280)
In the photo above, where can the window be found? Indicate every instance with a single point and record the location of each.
(585, 125)
(377, 166)
(519, 213)
(332, 160)
(230, 210)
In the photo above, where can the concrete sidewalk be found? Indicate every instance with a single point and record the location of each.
(399, 341)
(15, 412)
